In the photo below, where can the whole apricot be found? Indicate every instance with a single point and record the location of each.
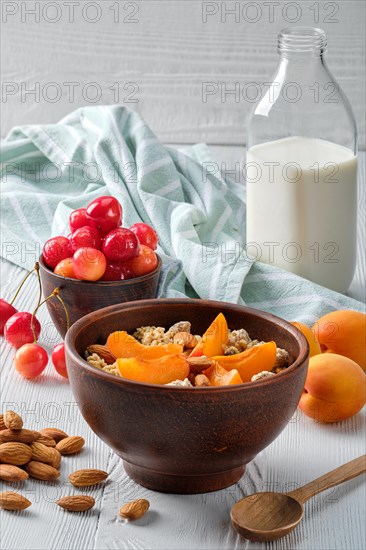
(310, 336)
(343, 332)
(335, 388)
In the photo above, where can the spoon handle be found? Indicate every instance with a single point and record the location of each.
(335, 477)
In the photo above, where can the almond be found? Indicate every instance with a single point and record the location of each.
(11, 473)
(42, 471)
(201, 381)
(135, 509)
(45, 439)
(77, 503)
(103, 353)
(2, 424)
(41, 453)
(186, 339)
(15, 453)
(21, 436)
(56, 457)
(70, 445)
(198, 364)
(13, 501)
(13, 421)
(86, 477)
(54, 433)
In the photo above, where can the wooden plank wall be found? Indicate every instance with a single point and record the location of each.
(159, 56)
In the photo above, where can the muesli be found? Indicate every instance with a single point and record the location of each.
(179, 358)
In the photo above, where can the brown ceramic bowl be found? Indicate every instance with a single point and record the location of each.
(185, 440)
(83, 297)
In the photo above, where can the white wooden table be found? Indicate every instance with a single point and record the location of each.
(304, 451)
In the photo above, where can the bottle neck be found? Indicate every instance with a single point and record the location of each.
(302, 43)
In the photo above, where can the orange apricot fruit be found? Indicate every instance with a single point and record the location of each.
(335, 388)
(310, 336)
(343, 332)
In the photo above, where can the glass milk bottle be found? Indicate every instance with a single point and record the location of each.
(301, 167)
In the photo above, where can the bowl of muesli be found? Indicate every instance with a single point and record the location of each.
(186, 392)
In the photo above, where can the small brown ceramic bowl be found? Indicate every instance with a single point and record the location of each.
(83, 297)
(185, 440)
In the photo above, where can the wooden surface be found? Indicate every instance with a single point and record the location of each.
(304, 451)
(159, 56)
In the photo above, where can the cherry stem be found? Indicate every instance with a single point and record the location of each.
(36, 268)
(54, 293)
(65, 309)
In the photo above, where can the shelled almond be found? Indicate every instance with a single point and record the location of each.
(45, 439)
(70, 445)
(56, 457)
(186, 339)
(87, 477)
(13, 421)
(76, 503)
(11, 473)
(103, 353)
(201, 381)
(135, 509)
(9, 500)
(53, 433)
(199, 364)
(20, 436)
(41, 453)
(40, 470)
(15, 453)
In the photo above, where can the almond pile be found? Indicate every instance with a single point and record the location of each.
(25, 453)
(38, 454)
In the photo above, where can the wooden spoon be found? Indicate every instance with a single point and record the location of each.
(269, 516)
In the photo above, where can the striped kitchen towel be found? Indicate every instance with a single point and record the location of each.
(47, 171)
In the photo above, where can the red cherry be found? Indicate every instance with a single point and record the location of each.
(55, 250)
(18, 329)
(65, 268)
(85, 236)
(120, 245)
(117, 272)
(30, 360)
(6, 311)
(78, 219)
(104, 213)
(89, 264)
(145, 234)
(145, 261)
(58, 359)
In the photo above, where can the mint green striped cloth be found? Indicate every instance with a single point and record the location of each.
(47, 171)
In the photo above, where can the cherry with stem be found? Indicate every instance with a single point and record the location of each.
(31, 359)
(7, 310)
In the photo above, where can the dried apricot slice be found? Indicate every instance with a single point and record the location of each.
(251, 361)
(219, 376)
(121, 344)
(163, 370)
(213, 339)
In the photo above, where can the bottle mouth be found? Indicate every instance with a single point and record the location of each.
(302, 41)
